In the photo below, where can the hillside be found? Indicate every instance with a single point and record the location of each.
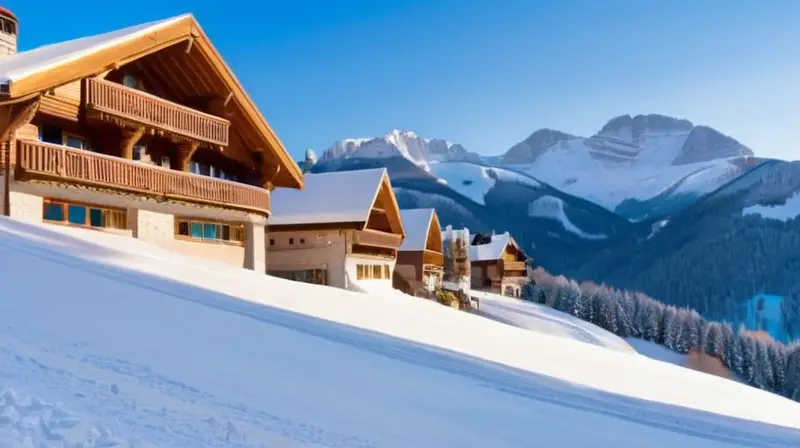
(741, 240)
(535, 317)
(149, 348)
(545, 221)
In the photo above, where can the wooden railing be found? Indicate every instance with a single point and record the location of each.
(378, 239)
(37, 160)
(517, 266)
(431, 257)
(149, 110)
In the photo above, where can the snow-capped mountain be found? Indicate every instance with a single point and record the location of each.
(642, 167)
(420, 151)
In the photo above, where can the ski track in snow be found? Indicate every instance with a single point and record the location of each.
(135, 397)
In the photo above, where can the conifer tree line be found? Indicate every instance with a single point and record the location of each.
(759, 361)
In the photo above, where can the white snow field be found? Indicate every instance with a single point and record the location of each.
(142, 347)
(545, 320)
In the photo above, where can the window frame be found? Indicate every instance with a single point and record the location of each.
(236, 231)
(121, 213)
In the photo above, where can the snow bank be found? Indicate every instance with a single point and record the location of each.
(545, 320)
(181, 352)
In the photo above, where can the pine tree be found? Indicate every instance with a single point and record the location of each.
(777, 358)
(792, 372)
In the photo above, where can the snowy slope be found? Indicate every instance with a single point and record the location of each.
(179, 352)
(545, 320)
(473, 180)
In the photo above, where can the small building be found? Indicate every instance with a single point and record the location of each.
(498, 264)
(144, 132)
(343, 229)
(420, 262)
(764, 312)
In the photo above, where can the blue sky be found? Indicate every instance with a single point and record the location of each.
(485, 74)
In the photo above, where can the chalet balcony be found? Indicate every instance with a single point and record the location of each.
(115, 102)
(43, 161)
(514, 266)
(378, 239)
(434, 258)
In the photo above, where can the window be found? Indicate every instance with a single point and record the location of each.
(139, 152)
(51, 134)
(372, 272)
(129, 81)
(210, 231)
(302, 241)
(73, 141)
(271, 241)
(165, 162)
(84, 215)
(291, 241)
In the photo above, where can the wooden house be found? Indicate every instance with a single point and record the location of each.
(420, 261)
(343, 229)
(143, 131)
(498, 264)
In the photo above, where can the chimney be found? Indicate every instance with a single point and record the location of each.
(9, 30)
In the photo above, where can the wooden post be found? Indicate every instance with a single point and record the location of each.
(16, 115)
(268, 175)
(184, 153)
(130, 137)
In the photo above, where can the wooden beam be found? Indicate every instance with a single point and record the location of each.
(268, 175)
(130, 136)
(184, 152)
(189, 45)
(16, 115)
(228, 99)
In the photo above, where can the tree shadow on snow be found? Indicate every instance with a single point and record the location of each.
(77, 253)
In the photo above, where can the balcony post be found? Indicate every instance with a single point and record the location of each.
(184, 153)
(130, 137)
(14, 117)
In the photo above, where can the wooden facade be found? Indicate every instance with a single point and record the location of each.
(419, 269)
(338, 253)
(165, 98)
(505, 273)
(149, 120)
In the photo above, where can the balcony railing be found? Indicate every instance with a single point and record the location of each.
(37, 160)
(431, 257)
(518, 266)
(378, 239)
(140, 107)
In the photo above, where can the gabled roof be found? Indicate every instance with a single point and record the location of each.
(492, 250)
(416, 223)
(329, 198)
(44, 68)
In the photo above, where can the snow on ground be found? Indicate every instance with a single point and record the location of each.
(474, 181)
(180, 352)
(553, 207)
(545, 320)
(657, 352)
(785, 212)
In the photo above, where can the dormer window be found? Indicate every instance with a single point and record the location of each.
(129, 81)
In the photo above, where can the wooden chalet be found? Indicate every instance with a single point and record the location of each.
(343, 229)
(420, 261)
(144, 131)
(498, 264)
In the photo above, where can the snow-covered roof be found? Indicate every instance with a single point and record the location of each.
(416, 223)
(337, 197)
(27, 63)
(492, 250)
